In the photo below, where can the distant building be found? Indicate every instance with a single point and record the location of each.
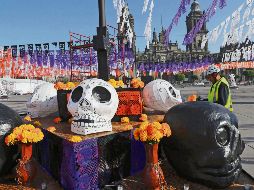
(158, 52)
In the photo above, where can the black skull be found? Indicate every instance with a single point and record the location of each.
(205, 145)
(9, 119)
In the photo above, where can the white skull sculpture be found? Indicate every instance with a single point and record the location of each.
(160, 95)
(93, 103)
(43, 102)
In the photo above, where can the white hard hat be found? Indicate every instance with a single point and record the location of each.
(212, 69)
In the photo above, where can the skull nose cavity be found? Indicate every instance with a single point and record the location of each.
(84, 102)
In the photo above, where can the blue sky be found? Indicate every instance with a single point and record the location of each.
(42, 21)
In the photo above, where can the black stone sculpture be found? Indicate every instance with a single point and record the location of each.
(9, 119)
(205, 145)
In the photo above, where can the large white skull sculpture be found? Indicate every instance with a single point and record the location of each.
(160, 95)
(93, 103)
(43, 102)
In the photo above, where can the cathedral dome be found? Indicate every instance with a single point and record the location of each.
(195, 6)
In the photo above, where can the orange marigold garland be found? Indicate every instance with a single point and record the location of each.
(151, 133)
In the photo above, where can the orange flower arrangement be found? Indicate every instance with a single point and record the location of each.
(137, 83)
(25, 133)
(143, 117)
(57, 120)
(151, 133)
(125, 120)
(51, 129)
(67, 86)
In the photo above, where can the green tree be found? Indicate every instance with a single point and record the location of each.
(179, 77)
(249, 74)
(194, 77)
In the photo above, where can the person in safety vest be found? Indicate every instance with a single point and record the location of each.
(219, 91)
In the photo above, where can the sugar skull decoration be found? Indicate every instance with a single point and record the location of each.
(160, 95)
(93, 103)
(43, 102)
(205, 145)
(9, 119)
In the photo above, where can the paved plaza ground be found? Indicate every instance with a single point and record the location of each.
(243, 103)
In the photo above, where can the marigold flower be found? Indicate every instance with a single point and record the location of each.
(57, 120)
(157, 125)
(75, 138)
(51, 129)
(128, 127)
(27, 118)
(143, 117)
(37, 123)
(70, 85)
(143, 136)
(166, 130)
(136, 134)
(125, 120)
(143, 125)
(192, 98)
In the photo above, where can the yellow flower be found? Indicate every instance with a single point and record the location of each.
(125, 120)
(128, 127)
(37, 123)
(136, 134)
(27, 118)
(157, 136)
(75, 138)
(143, 125)
(143, 136)
(51, 129)
(157, 125)
(70, 85)
(120, 83)
(143, 117)
(166, 130)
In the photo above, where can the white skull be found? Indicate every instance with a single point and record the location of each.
(43, 102)
(93, 103)
(160, 95)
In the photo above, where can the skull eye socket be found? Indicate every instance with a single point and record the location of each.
(101, 94)
(77, 94)
(171, 90)
(222, 135)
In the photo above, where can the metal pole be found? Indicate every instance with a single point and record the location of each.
(102, 18)
(103, 68)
